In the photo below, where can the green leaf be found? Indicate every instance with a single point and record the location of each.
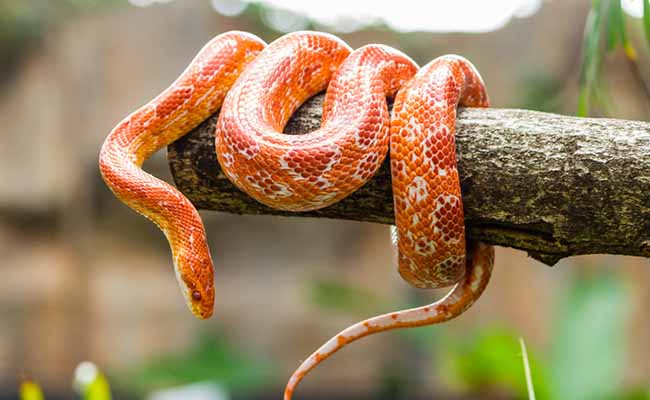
(30, 390)
(339, 296)
(209, 359)
(591, 58)
(492, 358)
(614, 25)
(646, 21)
(616, 30)
(540, 92)
(583, 101)
(589, 345)
(530, 386)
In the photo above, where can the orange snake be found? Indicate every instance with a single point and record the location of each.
(257, 89)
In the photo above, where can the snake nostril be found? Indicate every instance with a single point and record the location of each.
(196, 295)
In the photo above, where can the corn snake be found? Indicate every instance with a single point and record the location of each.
(257, 88)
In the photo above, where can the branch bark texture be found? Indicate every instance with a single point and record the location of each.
(551, 185)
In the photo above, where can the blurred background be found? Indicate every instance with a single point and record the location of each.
(85, 278)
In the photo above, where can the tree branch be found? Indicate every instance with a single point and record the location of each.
(552, 185)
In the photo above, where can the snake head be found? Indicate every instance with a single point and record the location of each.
(195, 275)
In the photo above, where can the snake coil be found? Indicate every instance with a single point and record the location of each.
(257, 88)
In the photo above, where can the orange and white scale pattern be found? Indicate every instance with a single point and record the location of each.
(258, 89)
(196, 94)
(430, 230)
(311, 171)
(430, 233)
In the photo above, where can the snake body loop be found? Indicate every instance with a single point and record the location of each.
(258, 89)
(314, 170)
(429, 235)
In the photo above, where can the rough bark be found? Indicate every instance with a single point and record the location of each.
(552, 185)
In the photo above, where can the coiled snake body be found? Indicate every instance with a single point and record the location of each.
(258, 88)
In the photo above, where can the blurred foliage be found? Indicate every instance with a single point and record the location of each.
(616, 33)
(209, 359)
(636, 394)
(30, 390)
(337, 296)
(585, 359)
(540, 93)
(646, 21)
(589, 345)
(605, 32)
(491, 359)
(93, 385)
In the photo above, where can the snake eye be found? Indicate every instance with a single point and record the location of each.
(196, 295)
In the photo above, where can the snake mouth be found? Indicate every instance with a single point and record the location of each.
(202, 312)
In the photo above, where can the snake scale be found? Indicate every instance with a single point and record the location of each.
(257, 88)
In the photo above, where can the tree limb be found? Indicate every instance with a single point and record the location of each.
(552, 185)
